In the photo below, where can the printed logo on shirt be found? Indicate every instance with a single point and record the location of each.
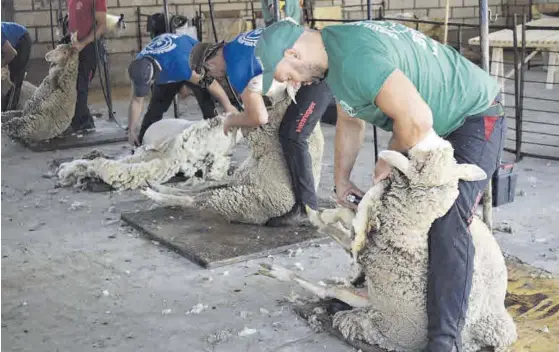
(163, 44)
(250, 38)
(394, 30)
(79, 5)
(350, 111)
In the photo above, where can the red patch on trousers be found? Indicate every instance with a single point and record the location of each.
(489, 124)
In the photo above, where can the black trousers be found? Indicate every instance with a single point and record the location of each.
(18, 67)
(297, 125)
(479, 141)
(86, 71)
(162, 97)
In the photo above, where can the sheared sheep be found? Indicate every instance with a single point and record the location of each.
(388, 236)
(50, 110)
(170, 146)
(260, 188)
(26, 92)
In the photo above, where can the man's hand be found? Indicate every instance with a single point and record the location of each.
(382, 171)
(343, 189)
(133, 136)
(78, 46)
(228, 124)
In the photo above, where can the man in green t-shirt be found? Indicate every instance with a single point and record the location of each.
(398, 79)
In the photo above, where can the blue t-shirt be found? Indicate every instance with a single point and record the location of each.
(12, 32)
(171, 51)
(240, 60)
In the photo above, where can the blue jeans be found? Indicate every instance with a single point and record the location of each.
(480, 141)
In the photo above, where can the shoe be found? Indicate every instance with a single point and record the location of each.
(82, 127)
(295, 217)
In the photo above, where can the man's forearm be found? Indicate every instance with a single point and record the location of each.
(217, 91)
(134, 111)
(243, 119)
(100, 30)
(348, 141)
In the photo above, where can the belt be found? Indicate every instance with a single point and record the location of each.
(495, 109)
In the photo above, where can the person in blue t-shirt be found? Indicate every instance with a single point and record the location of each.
(236, 60)
(164, 64)
(16, 48)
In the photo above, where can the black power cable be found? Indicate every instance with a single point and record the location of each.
(104, 62)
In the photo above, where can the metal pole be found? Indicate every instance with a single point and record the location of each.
(484, 34)
(369, 17)
(139, 17)
(518, 132)
(252, 15)
(212, 19)
(460, 39)
(521, 83)
(484, 43)
(166, 13)
(277, 16)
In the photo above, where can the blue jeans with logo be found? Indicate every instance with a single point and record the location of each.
(478, 141)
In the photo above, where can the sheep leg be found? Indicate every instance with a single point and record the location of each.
(168, 199)
(343, 294)
(159, 188)
(8, 115)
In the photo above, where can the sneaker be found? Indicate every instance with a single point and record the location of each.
(295, 217)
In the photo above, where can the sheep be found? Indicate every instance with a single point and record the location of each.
(260, 188)
(50, 110)
(388, 237)
(170, 146)
(26, 92)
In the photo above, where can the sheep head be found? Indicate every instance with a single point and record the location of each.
(63, 52)
(431, 164)
(429, 178)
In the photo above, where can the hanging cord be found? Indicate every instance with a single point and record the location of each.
(103, 62)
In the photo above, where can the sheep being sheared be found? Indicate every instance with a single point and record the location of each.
(169, 146)
(260, 188)
(50, 110)
(388, 237)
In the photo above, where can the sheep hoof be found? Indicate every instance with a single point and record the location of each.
(359, 280)
(357, 324)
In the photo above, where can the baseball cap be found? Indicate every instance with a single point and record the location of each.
(200, 53)
(141, 72)
(273, 42)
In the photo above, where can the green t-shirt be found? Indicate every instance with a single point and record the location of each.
(292, 8)
(361, 55)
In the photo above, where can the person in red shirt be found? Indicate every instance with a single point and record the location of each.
(80, 18)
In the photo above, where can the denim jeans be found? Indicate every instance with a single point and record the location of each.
(479, 141)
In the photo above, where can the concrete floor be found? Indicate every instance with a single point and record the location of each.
(74, 278)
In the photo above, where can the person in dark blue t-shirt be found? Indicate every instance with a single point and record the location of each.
(236, 60)
(164, 64)
(16, 48)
